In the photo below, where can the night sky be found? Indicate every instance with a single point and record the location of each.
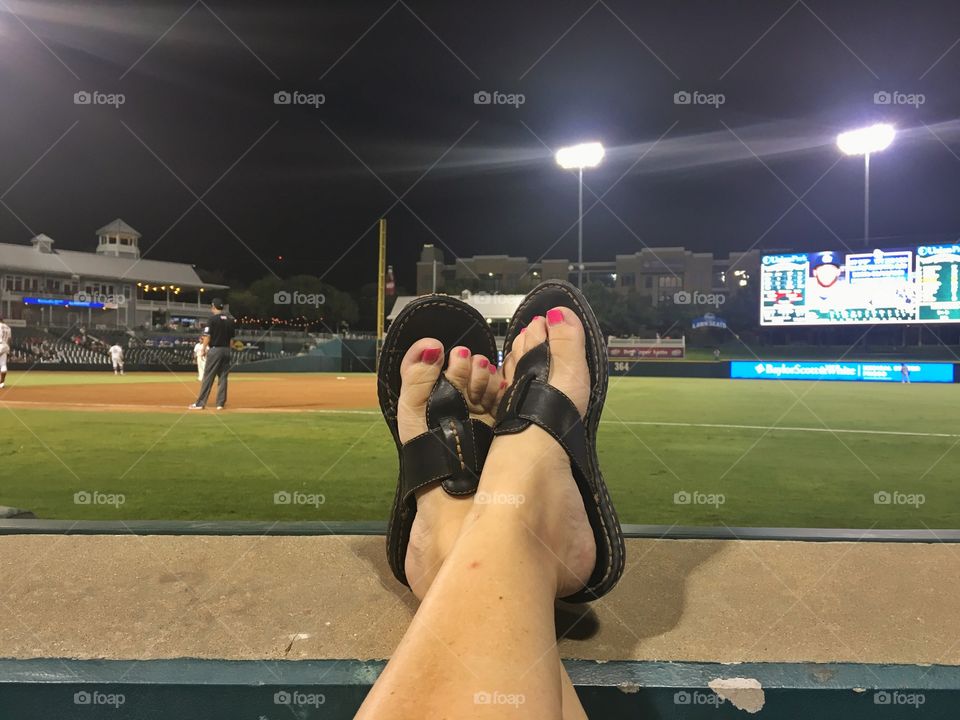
(399, 132)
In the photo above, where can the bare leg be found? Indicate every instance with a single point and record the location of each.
(572, 707)
(483, 643)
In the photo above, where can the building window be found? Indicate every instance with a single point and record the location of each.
(628, 279)
(648, 281)
(667, 282)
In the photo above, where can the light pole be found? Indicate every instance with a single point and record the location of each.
(864, 142)
(578, 157)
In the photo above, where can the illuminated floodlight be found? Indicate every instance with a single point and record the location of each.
(585, 155)
(866, 140)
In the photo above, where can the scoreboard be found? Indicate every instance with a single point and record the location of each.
(899, 285)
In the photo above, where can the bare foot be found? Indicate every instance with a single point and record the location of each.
(530, 473)
(439, 515)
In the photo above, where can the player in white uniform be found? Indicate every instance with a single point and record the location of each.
(200, 355)
(5, 335)
(116, 357)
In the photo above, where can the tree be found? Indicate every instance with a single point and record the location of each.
(298, 297)
(620, 313)
(244, 303)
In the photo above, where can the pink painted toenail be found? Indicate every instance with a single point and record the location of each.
(493, 369)
(463, 352)
(484, 362)
(430, 355)
(503, 384)
(555, 316)
(522, 330)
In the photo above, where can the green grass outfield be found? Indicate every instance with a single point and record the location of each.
(834, 446)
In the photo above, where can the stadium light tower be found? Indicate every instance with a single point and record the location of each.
(864, 142)
(578, 157)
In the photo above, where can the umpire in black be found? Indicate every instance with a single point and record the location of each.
(217, 336)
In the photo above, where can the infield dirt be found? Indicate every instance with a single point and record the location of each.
(260, 393)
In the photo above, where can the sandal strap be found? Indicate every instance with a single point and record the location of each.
(532, 400)
(451, 451)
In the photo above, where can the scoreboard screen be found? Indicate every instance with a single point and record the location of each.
(899, 285)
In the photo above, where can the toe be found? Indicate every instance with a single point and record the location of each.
(479, 375)
(536, 333)
(458, 368)
(419, 371)
(568, 359)
(507, 368)
(565, 330)
(492, 389)
(510, 363)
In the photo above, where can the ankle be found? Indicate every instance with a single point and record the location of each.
(513, 532)
(432, 536)
(540, 456)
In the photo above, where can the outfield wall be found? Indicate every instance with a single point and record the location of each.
(360, 356)
(780, 370)
(335, 355)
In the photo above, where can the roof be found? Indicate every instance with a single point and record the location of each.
(92, 265)
(118, 226)
(492, 306)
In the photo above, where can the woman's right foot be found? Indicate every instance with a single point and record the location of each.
(529, 473)
(439, 515)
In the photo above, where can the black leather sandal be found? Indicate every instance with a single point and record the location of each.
(530, 399)
(455, 445)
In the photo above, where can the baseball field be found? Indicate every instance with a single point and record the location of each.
(313, 447)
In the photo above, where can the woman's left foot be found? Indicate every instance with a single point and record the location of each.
(439, 515)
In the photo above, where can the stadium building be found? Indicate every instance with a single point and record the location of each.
(657, 273)
(111, 287)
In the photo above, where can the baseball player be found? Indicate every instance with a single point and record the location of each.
(200, 355)
(904, 373)
(5, 336)
(116, 357)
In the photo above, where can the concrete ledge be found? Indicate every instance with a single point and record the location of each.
(115, 597)
(25, 526)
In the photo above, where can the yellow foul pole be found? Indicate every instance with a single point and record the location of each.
(381, 284)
